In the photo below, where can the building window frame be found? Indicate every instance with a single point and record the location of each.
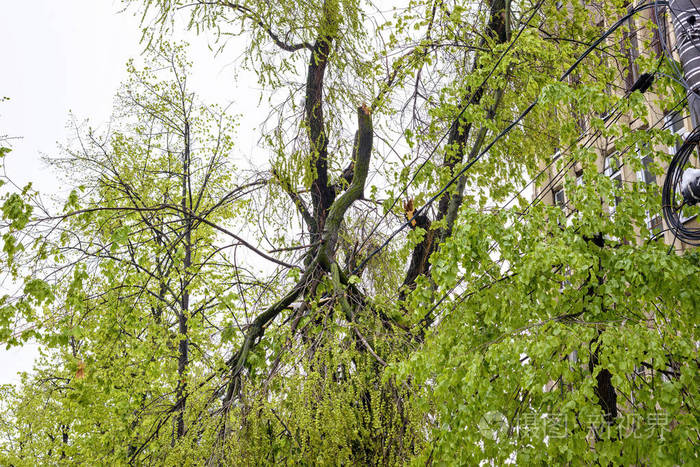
(652, 220)
(559, 197)
(613, 170)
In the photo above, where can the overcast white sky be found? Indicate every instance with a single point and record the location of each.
(69, 56)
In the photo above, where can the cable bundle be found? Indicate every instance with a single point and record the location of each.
(672, 211)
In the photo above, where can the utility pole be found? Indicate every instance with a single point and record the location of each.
(685, 15)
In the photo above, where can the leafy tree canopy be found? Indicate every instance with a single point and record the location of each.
(383, 288)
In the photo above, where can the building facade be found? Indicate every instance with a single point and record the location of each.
(655, 32)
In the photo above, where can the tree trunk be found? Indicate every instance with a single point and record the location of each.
(183, 347)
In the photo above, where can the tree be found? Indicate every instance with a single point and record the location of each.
(132, 269)
(475, 325)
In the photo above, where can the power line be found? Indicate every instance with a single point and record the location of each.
(503, 132)
(466, 294)
(590, 140)
(672, 212)
(454, 122)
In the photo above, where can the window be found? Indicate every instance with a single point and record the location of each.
(612, 166)
(612, 170)
(644, 174)
(654, 224)
(559, 197)
(582, 124)
(630, 51)
(661, 36)
(674, 122)
(566, 283)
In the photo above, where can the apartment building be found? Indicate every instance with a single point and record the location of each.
(639, 39)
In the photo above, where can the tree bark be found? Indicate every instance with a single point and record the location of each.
(449, 204)
(322, 194)
(183, 346)
(324, 256)
(604, 389)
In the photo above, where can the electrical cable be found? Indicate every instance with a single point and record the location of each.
(506, 130)
(667, 51)
(466, 294)
(455, 121)
(670, 192)
(592, 138)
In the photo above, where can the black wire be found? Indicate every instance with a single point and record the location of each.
(590, 139)
(455, 122)
(672, 212)
(467, 294)
(503, 132)
(661, 16)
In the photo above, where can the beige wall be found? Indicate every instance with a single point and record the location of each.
(546, 185)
